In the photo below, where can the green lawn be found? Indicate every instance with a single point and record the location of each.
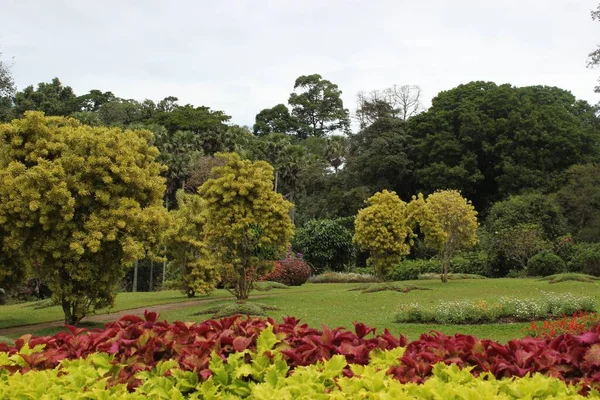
(25, 314)
(335, 305)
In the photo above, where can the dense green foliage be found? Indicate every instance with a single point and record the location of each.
(326, 244)
(246, 221)
(383, 229)
(78, 204)
(544, 264)
(196, 267)
(527, 158)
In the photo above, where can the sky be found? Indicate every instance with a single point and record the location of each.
(242, 56)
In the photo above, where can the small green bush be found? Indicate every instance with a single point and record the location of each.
(473, 263)
(570, 276)
(265, 286)
(326, 244)
(544, 264)
(409, 270)
(227, 310)
(343, 277)
(451, 276)
(388, 286)
(586, 259)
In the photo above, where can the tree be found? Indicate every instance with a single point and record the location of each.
(401, 102)
(594, 56)
(200, 172)
(196, 265)
(275, 120)
(120, 112)
(178, 151)
(335, 151)
(448, 222)
(94, 100)
(519, 227)
(247, 222)
(379, 156)
(383, 230)
(52, 98)
(326, 244)
(318, 107)
(78, 204)
(579, 197)
(491, 141)
(7, 91)
(520, 242)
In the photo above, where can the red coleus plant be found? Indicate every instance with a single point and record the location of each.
(141, 343)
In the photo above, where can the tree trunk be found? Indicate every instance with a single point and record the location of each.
(66, 306)
(445, 262)
(135, 276)
(151, 284)
(164, 272)
(242, 288)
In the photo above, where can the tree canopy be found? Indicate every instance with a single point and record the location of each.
(77, 205)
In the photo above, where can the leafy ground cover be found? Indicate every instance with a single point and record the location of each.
(240, 357)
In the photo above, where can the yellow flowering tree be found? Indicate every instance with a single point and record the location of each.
(383, 230)
(77, 205)
(247, 222)
(448, 222)
(189, 254)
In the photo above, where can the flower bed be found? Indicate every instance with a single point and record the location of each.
(506, 309)
(241, 357)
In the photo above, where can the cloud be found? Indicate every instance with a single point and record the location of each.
(243, 56)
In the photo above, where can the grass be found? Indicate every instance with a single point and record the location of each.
(334, 305)
(27, 313)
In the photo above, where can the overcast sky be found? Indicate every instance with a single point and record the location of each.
(242, 56)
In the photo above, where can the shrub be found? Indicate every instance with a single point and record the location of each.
(2, 296)
(570, 276)
(243, 309)
(388, 286)
(343, 277)
(544, 264)
(326, 244)
(475, 263)
(409, 270)
(586, 259)
(290, 272)
(451, 276)
(265, 286)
